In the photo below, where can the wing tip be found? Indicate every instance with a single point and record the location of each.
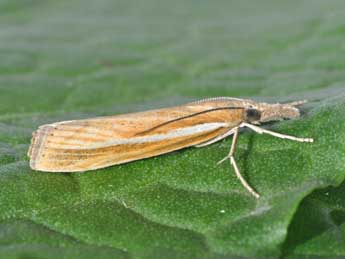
(37, 144)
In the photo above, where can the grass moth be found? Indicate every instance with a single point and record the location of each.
(81, 145)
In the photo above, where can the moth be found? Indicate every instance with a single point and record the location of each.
(81, 145)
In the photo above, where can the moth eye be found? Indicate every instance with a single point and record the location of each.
(253, 115)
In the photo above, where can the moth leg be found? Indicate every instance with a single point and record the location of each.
(234, 141)
(278, 135)
(233, 163)
(226, 134)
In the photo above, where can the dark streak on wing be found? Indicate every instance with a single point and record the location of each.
(187, 117)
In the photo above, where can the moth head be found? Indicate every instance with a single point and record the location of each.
(276, 112)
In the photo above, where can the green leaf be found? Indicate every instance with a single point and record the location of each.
(64, 60)
(318, 227)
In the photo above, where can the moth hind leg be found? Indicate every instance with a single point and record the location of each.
(216, 139)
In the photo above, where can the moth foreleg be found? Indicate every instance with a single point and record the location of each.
(275, 134)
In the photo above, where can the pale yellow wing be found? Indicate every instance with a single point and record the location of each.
(89, 144)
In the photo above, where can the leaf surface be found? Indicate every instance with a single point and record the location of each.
(64, 60)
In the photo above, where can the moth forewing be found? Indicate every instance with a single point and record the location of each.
(82, 145)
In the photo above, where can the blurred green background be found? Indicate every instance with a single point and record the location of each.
(74, 59)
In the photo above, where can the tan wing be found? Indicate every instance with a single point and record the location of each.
(89, 144)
